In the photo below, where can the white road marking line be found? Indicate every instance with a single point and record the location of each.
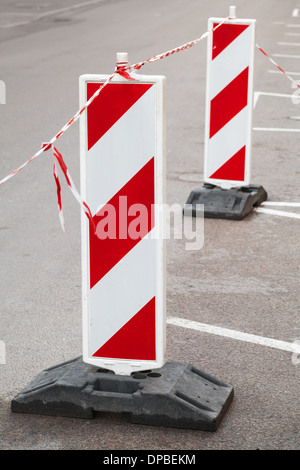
(282, 43)
(291, 215)
(293, 25)
(287, 56)
(268, 93)
(289, 73)
(292, 34)
(282, 204)
(295, 12)
(233, 334)
(279, 95)
(257, 94)
(275, 129)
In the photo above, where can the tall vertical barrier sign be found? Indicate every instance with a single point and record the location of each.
(122, 153)
(227, 192)
(229, 102)
(122, 181)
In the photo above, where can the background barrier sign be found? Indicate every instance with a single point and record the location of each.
(122, 147)
(229, 102)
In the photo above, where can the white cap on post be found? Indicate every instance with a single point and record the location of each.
(232, 11)
(122, 58)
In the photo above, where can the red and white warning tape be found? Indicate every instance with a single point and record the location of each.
(184, 47)
(278, 66)
(60, 133)
(123, 71)
(58, 158)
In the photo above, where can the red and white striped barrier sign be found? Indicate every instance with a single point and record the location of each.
(229, 102)
(122, 180)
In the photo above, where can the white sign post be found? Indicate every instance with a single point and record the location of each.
(227, 192)
(123, 182)
(229, 102)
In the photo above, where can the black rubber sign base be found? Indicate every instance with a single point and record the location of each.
(235, 203)
(176, 395)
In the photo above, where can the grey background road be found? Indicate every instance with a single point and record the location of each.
(245, 278)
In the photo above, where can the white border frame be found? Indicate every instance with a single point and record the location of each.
(226, 184)
(127, 366)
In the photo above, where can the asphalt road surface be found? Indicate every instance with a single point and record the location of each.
(244, 279)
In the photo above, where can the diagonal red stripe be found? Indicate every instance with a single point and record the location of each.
(229, 102)
(224, 35)
(234, 168)
(136, 339)
(109, 106)
(105, 253)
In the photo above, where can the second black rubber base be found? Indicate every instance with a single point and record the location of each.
(235, 203)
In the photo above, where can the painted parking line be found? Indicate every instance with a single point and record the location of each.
(292, 34)
(283, 43)
(295, 13)
(270, 93)
(289, 73)
(290, 215)
(233, 334)
(280, 203)
(293, 25)
(275, 129)
(287, 56)
(256, 97)
(257, 94)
